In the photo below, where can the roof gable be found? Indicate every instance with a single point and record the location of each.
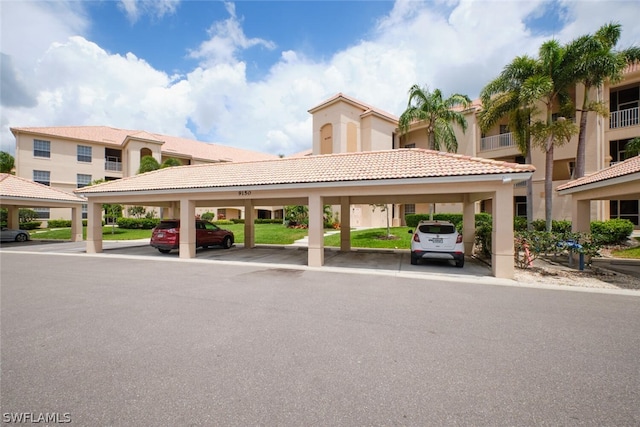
(627, 167)
(15, 187)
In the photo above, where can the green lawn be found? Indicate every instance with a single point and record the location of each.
(628, 253)
(275, 234)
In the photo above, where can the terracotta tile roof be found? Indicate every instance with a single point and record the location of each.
(172, 145)
(367, 109)
(15, 187)
(627, 167)
(332, 168)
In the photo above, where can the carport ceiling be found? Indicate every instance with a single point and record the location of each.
(391, 175)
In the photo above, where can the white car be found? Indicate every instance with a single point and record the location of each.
(437, 240)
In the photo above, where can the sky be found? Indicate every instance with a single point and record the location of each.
(246, 73)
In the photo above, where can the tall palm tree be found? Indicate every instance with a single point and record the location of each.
(594, 61)
(502, 97)
(437, 113)
(550, 86)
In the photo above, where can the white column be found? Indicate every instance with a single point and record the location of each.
(187, 228)
(468, 225)
(13, 217)
(316, 231)
(249, 226)
(76, 224)
(345, 224)
(502, 234)
(94, 228)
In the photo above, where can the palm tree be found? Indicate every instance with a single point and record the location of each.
(437, 113)
(502, 97)
(632, 148)
(595, 61)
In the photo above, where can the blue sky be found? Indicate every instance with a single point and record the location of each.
(245, 73)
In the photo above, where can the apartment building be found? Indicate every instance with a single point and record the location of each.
(344, 124)
(71, 157)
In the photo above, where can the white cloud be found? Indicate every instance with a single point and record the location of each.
(134, 9)
(450, 45)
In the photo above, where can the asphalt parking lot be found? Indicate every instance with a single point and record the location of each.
(123, 339)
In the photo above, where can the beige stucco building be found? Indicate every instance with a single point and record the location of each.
(71, 157)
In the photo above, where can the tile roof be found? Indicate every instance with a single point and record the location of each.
(329, 168)
(627, 167)
(367, 109)
(172, 145)
(15, 187)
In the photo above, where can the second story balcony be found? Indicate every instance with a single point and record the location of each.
(113, 164)
(624, 118)
(496, 142)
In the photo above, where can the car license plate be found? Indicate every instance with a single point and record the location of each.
(437, 240)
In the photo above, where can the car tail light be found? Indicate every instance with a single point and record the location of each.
(459, 239)
(416, 238)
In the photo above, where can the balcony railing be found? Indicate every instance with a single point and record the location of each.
(623, 118)
(113, 164)
(496, 142)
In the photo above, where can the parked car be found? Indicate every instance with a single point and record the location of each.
(166, 235)
(13, 235)
(437, 240)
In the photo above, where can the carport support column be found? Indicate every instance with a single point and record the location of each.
(249, 226)
(187, 228)
(76, 224)
(94, 228)
(316, 231)
(468, 224)
(580, 215)
(13, 218)
(345, 224)
(502, 233)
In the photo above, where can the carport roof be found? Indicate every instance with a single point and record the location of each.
(16, 188)
(627, 170)
(330, 168)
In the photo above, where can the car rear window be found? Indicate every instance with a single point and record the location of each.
(167, 224)
(437, 229)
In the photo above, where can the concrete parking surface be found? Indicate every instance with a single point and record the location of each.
(122, 339)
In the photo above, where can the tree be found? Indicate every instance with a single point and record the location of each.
(111, 210)
(438, 115)
(170, 162)
(148, 164)
(503, 97)
(550, 86)
(7, 162)
(595, 61)
(383, 208)
(632, 148)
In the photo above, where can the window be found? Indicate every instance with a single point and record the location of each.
(412, 145)
(83, 180)
(42, 177)
(84, 212)
(409, 209)
(84, 153)
(43, 213)
(520, 206)
(41, 148)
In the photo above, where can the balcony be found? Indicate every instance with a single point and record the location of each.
(497, 142)
(623, 118)
(113, 164)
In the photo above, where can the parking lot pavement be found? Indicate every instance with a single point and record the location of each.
(382, 261)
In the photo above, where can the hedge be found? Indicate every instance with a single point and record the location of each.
(30, 225)
(412, 220)
(612, 231)
(134, 223)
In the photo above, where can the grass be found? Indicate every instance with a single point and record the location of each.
(274, 234)
(627, 253)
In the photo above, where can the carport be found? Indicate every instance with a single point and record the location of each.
(618, 182)
(16, 192)
(390, 176)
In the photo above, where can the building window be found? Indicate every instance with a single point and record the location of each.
(41, 148)
(43, 213)
(84, 153)
(520, 206)
(409, 209)
(412, 145)
(42, 177)
(85, 214)
(625, 209)
(83, 180)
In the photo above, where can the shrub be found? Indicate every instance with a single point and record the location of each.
(27, 215)
(30, 225)
(134, 223)
(519, 223)
(483, 238)
(224, 221)
(611, 232)
(208, 216)
(267, 221)
(59, 223)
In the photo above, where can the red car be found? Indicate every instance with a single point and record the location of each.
(166, 235)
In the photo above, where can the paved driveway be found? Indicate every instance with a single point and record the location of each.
(129, 340)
